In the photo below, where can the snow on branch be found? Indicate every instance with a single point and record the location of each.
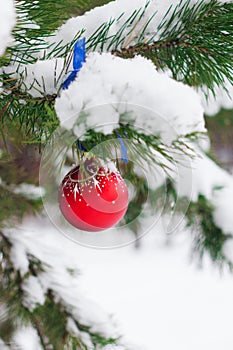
(49, 288)
(123, 85)
(7, 22)
(191, 38)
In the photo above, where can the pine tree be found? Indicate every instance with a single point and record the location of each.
(137, 95)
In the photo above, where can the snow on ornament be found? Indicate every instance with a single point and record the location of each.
(93, 197)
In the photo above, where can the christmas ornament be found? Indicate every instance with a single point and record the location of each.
(92, 197)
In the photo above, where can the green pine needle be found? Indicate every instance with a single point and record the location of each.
(208, 237)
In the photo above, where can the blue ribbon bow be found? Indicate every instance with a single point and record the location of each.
(81, 147)
(78, 60)
(123, 148)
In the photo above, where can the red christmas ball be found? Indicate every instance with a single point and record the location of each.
(93, 199)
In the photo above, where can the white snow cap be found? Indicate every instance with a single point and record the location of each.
(41, 78)
(3, 346)
(152, 12)
(216, 184)
(7, 22)
(30, 191)
(125, 85)
(223, 99)
(58, 255)
(26, 338)
(208, 178)
(33, 293)
(19, 257)
(45, 76)
(121, 9)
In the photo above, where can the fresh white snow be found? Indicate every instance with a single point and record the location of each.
(223, 99)
(29, 191)
(107, 87)
(33, 293)
(118, 12)
(156, 296)
(161, 300)
(26, 338)
(7, 22)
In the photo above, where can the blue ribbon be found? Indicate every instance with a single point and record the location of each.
(78, 60)
(81, 147)
(123, 148)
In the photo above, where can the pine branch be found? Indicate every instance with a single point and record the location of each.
(208, 237)
(139, 146)
(35, 118)
(42, 337)
(36, 21)
(133, 214)
(59, 11)
(197, 48)
(49, 319)
(7, 322)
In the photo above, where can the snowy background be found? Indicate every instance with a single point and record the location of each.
(157, 296)
(7, 22)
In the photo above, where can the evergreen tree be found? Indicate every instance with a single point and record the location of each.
(137, 98)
